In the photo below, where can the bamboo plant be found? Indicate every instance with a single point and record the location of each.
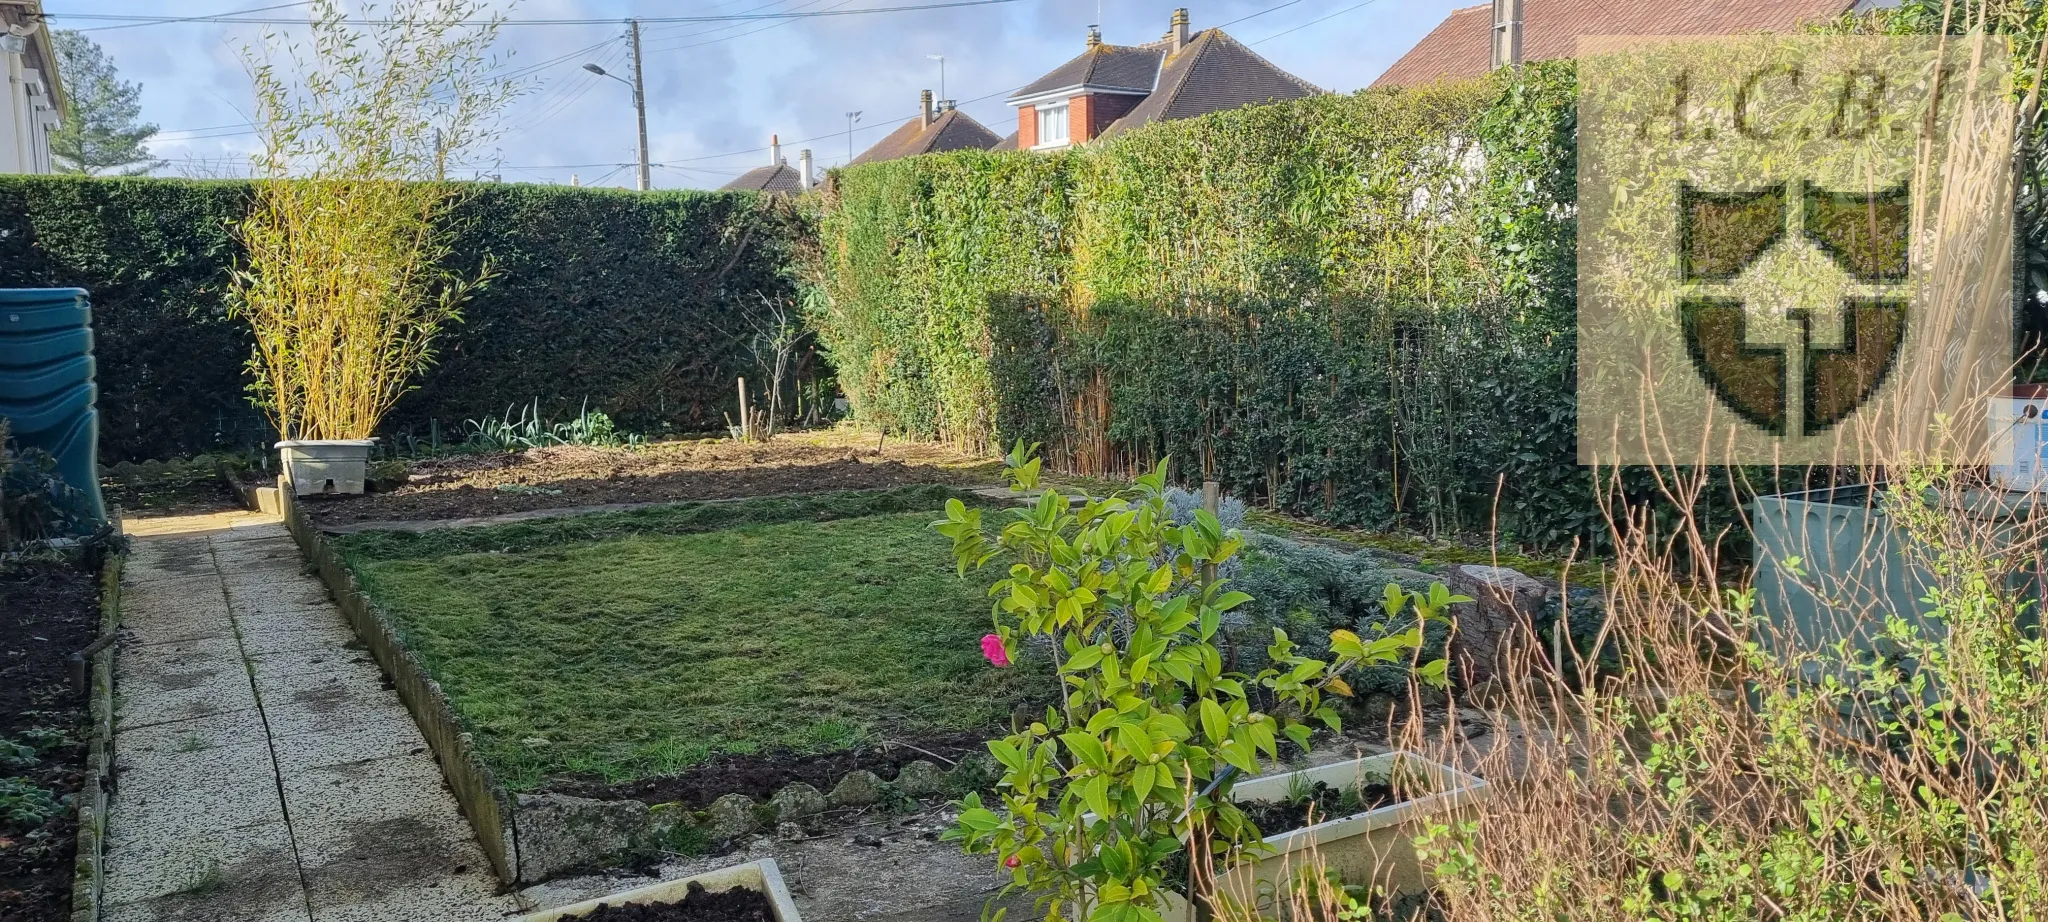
(345, 279)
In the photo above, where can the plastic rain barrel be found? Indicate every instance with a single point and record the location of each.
(47, 393)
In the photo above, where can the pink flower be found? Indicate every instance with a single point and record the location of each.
(992, 647)
(1011, 862)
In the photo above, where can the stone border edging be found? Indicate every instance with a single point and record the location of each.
(484, 802)
(88, 878)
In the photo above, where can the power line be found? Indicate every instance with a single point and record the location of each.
(1258, 14)
(244, 128)
(167, 21)
(727, 38)
(730, 17)
(1314, 21)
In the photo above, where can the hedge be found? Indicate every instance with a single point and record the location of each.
(635, 302)
(1359, 307)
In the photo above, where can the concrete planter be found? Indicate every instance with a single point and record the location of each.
(317, 466)
(1375, 847)
(762, 876)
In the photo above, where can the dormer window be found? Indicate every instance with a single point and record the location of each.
(1052, 124)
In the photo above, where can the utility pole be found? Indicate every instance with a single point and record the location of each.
(440, 158)
(639, 100)
(851, 117)
(942, 75)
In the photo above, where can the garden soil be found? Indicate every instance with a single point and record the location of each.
(700, 905)
(567, 476)
(46, 614)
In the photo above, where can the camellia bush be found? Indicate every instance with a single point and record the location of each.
(1123, 786)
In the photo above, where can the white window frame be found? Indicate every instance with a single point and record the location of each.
(1065, 123)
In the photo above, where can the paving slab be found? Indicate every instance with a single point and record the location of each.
(265, 769)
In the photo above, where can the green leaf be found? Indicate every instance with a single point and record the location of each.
(1086, 749)
(1215, 724)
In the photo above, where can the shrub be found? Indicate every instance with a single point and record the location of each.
(632, 301)
(1359, 307)
(1098, 796)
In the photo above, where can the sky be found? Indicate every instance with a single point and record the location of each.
(717, 91)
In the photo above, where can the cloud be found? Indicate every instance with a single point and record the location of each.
(716, 91)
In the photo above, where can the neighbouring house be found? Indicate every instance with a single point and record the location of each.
(35, 99)
(1477, 39)
(778, 175)
(937, 128)
(1111, 89)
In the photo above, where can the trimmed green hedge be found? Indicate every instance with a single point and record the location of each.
(635, 302)
(1359, 307)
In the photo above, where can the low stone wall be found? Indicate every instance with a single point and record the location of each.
(89, 876)
(559, 833)
(486, 803)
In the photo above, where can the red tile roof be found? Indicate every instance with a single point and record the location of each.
(1462, 45)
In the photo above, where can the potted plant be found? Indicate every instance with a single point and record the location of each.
(675, 897)
(344, 279)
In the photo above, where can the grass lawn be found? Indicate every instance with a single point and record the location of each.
(637, 655)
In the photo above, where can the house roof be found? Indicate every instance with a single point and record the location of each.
(42, 50)
(778, 178)
(1213, 73)
(1007, 143)
(1461, 46)
(952, 130)
(1116, 68)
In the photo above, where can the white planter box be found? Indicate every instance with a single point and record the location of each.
(761, 876)
(1375, 847)
(317, 466)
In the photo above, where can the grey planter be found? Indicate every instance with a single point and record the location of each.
(323, 466)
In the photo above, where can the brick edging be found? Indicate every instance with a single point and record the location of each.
(88, 879)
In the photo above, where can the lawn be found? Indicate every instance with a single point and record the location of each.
(657, 644)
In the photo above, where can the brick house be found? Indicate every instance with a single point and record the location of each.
(937, 128)
(1111, 89)
(1476, 39)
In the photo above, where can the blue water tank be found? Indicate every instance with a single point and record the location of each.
(47, 392)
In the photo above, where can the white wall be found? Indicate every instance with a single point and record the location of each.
(28, 112)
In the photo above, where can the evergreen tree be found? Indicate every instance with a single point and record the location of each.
(102, 131)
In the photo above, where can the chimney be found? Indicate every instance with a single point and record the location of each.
(1179, 32)
(774, 150)
(924, 104)
(1094, 36)
(1507, 33)
(803, 166)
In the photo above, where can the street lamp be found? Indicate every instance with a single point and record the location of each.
(851, 117)
(639, 96)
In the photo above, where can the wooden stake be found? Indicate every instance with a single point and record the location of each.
(746, 418)
(1212, 500)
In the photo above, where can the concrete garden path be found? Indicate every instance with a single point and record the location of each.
(264, 771)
